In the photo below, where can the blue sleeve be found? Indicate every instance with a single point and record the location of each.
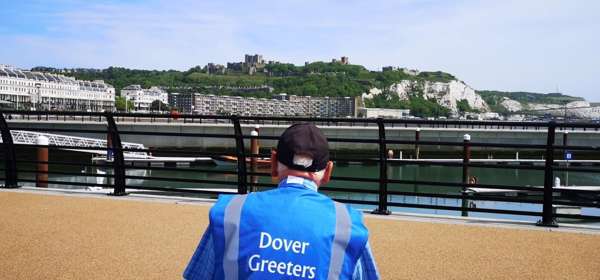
(365, 268)
(202, 264)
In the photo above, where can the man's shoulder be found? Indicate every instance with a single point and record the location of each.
(224, 200)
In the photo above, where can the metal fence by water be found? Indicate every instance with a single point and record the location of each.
(244, 176)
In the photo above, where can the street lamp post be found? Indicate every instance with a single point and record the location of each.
(126, 105)
(37, 101)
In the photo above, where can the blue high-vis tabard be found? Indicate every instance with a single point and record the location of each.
(290, 232)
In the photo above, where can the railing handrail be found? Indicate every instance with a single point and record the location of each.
(546, 124)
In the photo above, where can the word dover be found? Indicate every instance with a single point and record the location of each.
(256, 263)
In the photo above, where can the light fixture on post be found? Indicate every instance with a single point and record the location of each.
(38, 95)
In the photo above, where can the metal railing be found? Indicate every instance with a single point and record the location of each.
(168, 118)
(245, 175)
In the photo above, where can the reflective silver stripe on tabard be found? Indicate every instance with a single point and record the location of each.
(231, 228)
(343, 226)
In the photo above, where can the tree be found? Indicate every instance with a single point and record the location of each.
(463, 106)
(158, 105)
(121, 104)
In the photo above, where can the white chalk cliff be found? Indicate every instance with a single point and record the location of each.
(576, 109)
(445, 94)
(511, 105)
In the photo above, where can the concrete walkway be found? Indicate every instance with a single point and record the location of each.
(47, 236)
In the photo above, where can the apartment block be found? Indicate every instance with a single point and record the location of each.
(279, 105)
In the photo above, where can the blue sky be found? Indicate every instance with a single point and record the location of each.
(504, 45)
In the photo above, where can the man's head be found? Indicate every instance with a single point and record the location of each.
(302, 151)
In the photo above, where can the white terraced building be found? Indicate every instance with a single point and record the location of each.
(143, 98)
(279, 105)
(23, 89)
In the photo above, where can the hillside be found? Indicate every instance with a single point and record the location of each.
(314, 79)
(424, 93)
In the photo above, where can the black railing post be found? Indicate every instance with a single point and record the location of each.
(118, 157)
(547, 212)
(466, 178)
(10, 158)
(241, 156)
(383, 178)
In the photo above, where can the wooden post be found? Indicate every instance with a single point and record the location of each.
(41, 178)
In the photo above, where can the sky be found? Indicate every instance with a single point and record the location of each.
(527, 45)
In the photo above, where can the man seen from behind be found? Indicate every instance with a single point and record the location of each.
(290, 232)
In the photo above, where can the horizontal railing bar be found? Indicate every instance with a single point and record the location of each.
(261, 137)
(348, 190)
(577, 148)
(576, 191)
(364, 160)
(257, 155)
(67, 183)
(171, 151)
(179, 190)
(198, 181)
(467, 197)
(354, 201)
(258, 184)
(354, 179)
(577, 125)
(264, 174)
(460, 185)
(575, 203)
(68, 173)
(454, 208)
(353, 140)
(576, 216)
(577, 169)
(460, 164)
(65, 163)
(182, 134)
(181, 169)
(460, 144)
